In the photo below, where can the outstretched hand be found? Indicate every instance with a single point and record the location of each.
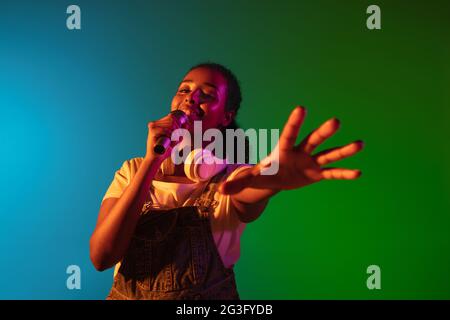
(298, 167)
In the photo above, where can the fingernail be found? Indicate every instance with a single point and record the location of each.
(334, 119)
(303, 107)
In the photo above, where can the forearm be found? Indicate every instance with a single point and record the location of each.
(252, 196)
(251, 202)
(113, 233)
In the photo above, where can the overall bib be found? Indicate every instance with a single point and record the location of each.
(173, 256)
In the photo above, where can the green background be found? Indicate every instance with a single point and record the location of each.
(75, 105)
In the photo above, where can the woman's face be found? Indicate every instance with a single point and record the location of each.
(206, 89)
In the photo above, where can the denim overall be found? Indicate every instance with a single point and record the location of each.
(173, 256)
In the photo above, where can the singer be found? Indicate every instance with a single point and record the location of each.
(172, 236)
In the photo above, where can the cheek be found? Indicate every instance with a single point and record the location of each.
(175, 103)
(207, 123)
(212, 120)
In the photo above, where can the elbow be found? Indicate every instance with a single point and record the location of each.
(250, 213)
(247, 218)
(98, 259)
(99, 265)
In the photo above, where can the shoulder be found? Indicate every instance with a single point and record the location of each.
(128, 168)
(122, 177)
(134, 163)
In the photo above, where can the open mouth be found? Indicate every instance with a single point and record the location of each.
(195, 112)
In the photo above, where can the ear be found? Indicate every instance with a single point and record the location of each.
(229, 116)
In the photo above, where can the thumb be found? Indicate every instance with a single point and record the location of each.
(241, 181)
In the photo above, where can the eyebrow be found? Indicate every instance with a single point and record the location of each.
(209, 84)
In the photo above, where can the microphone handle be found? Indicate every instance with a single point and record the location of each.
(161, 145)
(163, 142)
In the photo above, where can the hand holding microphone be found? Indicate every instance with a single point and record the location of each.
(160, 131)
(181, 120)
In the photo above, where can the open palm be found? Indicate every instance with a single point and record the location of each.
(297, 166)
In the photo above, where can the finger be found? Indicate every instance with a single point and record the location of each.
(315, 138)
(169, 121)
(160, 131)
(332, 155)
(341, 174)
(195, 113)
(291, 128)
(238, 183)
(160, 124)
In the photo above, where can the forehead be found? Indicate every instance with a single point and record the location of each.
(202, 76)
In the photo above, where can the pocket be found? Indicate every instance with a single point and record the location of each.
(178, 262)
(156, 226)
(168, 252)
(153, 250)
(136, 265)
(199, 253)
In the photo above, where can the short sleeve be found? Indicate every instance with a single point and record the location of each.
(234, 171)
(226, 212)
(120, 182)
(225, 224)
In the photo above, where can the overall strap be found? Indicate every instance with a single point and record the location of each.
(205, 202)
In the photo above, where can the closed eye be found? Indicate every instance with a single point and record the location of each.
(205, 95)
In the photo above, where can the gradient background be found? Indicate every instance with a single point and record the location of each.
(75, 104)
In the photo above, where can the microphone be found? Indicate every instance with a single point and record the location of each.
(163, 142)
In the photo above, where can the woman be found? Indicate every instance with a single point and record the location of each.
(173, 238)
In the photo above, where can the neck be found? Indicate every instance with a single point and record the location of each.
(179, 170)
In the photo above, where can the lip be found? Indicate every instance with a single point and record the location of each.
(195, 111)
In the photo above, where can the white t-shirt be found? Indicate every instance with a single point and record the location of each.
(225, 224)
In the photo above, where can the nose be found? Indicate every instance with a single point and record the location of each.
(193, 98)
(192, 105)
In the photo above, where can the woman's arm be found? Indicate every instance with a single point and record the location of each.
(251, 202)
(118, 218)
